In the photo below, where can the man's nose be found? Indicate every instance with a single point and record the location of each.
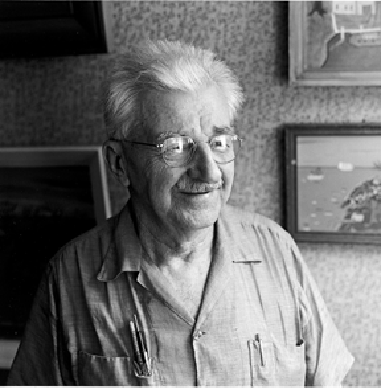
(203, 166)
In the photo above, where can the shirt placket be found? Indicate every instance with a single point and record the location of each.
(177, 319)
(218, 279)
(197, 335)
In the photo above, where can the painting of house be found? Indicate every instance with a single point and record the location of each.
(353, 7)
(360, 18)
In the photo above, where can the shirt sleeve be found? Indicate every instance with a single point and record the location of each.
(327, 358)
(37, 360)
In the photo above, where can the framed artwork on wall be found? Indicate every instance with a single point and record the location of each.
(48, 196)
(333, 182)
(335, 42)
(54, 28)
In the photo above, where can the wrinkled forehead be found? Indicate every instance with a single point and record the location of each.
(191, 113)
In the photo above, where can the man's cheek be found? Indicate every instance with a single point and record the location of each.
(161, 191)
(227, 178)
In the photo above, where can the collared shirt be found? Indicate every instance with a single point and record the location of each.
(261, 321)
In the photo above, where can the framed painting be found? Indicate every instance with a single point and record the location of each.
(335, 42)
(333, 182)
(48, 196)
(54, 28)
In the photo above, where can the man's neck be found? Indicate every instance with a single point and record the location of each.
(168, 247)
(183, 259)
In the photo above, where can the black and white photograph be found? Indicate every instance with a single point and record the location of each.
(190, 193)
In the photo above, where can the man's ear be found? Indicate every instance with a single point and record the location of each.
(115, 160)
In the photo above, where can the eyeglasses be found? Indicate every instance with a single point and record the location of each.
(178, 150)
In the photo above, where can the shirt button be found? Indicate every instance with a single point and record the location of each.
(198, 335)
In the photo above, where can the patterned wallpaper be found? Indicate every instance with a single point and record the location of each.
(53, 102)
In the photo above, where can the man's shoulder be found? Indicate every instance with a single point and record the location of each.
(88, 238)
(257, 236)
(86, 250)
(239, 217)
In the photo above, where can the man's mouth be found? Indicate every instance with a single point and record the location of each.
(198, 188)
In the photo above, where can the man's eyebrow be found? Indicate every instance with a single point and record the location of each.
(184, 132)
(168, 134)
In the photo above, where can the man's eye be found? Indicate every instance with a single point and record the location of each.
(220, 142)
(176, 145)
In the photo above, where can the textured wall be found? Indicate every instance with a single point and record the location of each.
(53, 102)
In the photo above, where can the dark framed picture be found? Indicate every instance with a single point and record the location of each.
(48, 196)
(333, 182)
(54, 28)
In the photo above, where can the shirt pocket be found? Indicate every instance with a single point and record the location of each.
(97, 370)
(290, 364)
(272, 364)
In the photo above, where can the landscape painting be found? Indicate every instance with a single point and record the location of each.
(344, 35)
(336, 184)
(335, 42)
(48, 196)
(40, 210)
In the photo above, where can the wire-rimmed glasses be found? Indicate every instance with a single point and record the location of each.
(177, 150)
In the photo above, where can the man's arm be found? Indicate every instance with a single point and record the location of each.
(37, 361)
(327, 358)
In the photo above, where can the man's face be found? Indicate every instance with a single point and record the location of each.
(166, 193)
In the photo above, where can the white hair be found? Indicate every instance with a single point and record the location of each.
(166, 66)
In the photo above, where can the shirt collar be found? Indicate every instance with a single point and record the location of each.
(237, 237)
(124, 252)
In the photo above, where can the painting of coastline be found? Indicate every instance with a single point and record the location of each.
(339, 184)
(41, 209)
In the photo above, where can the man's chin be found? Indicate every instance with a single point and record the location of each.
(199, 218)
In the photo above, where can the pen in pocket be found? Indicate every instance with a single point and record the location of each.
(299, 337)
(258, 345)
(142, 362)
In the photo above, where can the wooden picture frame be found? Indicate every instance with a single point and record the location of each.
(48, 196)
(333, 182)
(334, 43)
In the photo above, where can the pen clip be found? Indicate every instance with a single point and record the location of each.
(143, 370)
(258, 345)
(142, 362)
(299, 336)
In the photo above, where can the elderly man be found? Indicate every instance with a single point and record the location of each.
(178, 288)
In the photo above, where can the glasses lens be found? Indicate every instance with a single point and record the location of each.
(177, 151)
(224, 147)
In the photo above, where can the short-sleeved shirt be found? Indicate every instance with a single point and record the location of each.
(262, 320)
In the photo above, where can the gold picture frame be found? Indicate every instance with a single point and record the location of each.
(333, 45)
